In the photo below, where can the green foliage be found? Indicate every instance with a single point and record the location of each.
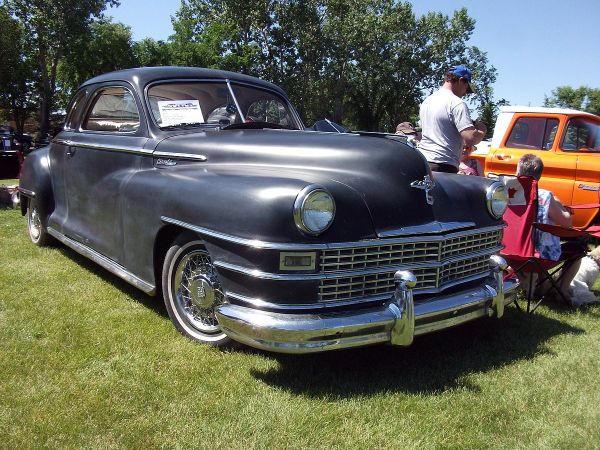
(17, 97)
(582, 98)
(149, 52)
(105, 46)
(52, 28)
(364, 63)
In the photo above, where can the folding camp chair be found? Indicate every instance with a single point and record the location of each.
(519, 242)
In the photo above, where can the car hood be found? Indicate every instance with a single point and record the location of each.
(390, 177)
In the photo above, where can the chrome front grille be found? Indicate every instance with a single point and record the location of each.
(437, 263)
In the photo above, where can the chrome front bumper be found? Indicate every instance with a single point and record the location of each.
(396, 322)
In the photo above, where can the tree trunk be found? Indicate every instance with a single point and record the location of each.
(45, 94)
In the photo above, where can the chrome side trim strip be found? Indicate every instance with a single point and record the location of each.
(255, 273)
(189, 156)
(105, 262)
(26, 192)
(255, 243)
(112, 148)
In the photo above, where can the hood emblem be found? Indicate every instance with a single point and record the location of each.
(426, 184)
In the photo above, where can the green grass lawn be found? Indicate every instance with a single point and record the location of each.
(86, 361)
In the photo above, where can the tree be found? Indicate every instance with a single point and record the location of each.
(149, 52)
(16, 71)
(362, 62)
(582, 98)
(51, 27)
(105, 46)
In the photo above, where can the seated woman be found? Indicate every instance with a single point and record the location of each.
(550, 211)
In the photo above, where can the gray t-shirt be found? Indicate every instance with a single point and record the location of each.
(443, 117)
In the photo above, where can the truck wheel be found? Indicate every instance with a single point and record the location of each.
(36, 225)
(191, 291)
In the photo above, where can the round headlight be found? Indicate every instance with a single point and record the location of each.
(496, 199)
(314, 210)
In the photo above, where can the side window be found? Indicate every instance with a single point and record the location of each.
(533, 133)
(581, 135)
(113, 110)
(75, 111)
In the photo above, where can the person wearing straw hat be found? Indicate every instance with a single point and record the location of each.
(412, 135)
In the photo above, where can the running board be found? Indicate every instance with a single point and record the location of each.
(104, 262)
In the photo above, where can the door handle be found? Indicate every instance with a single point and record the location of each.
(503, 157)
(70, 151)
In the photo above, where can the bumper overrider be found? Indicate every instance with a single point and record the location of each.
(396, 322)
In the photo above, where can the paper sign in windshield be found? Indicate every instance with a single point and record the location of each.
(174, 112)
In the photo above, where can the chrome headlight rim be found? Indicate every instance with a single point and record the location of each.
(299, 203)
(491, 197)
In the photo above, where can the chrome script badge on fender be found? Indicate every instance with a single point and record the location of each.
(427, 184)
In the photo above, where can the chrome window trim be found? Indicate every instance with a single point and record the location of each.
(103, 261)
(189, 156)
(112, 148)
(255, 273)
(255, 243)
(237, 105)
(71, 109)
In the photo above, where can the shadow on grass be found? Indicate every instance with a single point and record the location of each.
(434, 363)
(152, 303)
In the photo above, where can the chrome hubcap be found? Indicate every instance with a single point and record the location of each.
(198, 291)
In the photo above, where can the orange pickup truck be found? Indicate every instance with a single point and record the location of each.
(567, 140)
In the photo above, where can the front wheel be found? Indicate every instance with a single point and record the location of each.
(192, 291)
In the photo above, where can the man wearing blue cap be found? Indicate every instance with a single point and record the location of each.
(446, 124)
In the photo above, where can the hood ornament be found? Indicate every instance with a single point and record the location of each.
(426, 184)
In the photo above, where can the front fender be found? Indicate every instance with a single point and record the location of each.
(251, 203)
(35, 181)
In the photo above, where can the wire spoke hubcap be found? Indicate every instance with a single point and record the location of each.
(198, 291)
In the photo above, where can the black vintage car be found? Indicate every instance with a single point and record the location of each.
(11, 154)
(203, 185)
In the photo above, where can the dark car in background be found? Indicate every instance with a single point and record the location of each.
(11, 153)
(203, 185)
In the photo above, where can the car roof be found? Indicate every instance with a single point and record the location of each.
(141, 76)
(542, 110)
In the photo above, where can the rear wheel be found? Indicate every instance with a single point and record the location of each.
(192, 291)
(36, 224)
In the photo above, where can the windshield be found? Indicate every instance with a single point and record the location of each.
(190, 103)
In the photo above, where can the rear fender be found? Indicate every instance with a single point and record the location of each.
(35, 181)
